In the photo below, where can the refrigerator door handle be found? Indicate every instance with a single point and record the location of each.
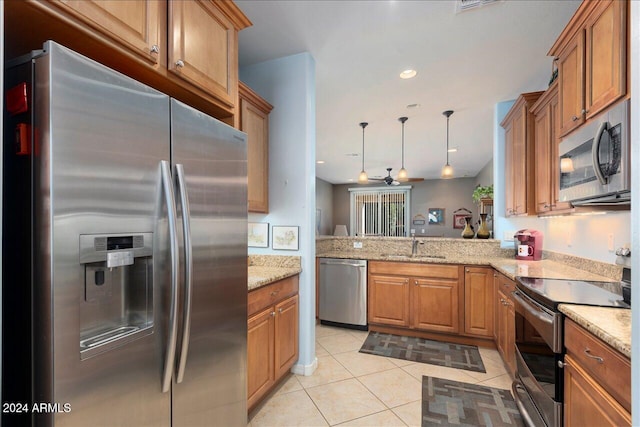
(169, 358)
(188, 276)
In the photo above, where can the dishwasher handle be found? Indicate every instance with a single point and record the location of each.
(350, 264)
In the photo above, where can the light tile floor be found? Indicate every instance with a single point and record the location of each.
(354, 389)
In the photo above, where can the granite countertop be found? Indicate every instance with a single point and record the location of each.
(611, 325)
(259, 276)
(510, 267)
(265, 269)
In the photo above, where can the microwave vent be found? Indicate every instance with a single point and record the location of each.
(464, 5)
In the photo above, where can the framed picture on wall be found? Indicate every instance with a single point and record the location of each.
(285, 237)
(459, 220)
(436, 216)
(258, 235)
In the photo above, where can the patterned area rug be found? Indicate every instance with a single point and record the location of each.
(452, 403)
(425, 351)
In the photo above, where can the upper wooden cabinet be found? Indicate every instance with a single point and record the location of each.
(187, 49)
(519, 170)
(136, 25)
(592, 56)
(254, 121)
(203, 46)
(547, 157)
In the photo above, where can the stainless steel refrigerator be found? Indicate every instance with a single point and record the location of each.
(125, 279)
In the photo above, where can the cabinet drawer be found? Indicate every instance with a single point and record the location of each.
(270, 294)
(610, 369)
(415, 269)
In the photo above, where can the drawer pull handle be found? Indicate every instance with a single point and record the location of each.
(591, 356)
(274, 293)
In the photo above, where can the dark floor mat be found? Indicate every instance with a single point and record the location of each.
(425, 351)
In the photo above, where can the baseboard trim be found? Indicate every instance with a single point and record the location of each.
(306, 370)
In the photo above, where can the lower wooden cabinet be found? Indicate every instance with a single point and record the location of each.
(424, 297)
(587, 403)
(597, 381)
(272, 336)
(505, 320)
(478, 301)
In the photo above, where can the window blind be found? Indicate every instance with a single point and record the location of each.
(380, 211)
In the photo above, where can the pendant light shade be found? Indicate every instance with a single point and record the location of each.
(403, 175)
(363, 178)
(447, 170)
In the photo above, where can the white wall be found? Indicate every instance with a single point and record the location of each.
(582, 236)
(289, 85)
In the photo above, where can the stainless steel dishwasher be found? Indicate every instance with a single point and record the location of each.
(343, 292)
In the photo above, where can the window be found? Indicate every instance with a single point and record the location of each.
(380, 211)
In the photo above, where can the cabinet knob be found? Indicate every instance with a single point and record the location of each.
(273, 314)
(584, 111)
(466, 270)
(155, 49)
(274, 293)
(179, 63)
(280, 310)
(574, 118)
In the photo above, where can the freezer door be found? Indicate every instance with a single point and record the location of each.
(213, 156)
(99, 139)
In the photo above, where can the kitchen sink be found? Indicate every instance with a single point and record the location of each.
(411, 257)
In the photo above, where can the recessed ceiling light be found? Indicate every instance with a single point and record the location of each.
(352, 154)
(413, 106)
(453, 150)
(408, 74)
(320, 162)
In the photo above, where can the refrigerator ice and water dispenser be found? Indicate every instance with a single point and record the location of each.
(118, 290)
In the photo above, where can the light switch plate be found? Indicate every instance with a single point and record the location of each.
(357, 245)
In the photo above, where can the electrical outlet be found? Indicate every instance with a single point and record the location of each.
(610, 242)
(508, 236)
(357, 245)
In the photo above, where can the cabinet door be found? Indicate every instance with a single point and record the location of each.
(543, 142)
(286, 335)
(203, 48)
(510, 339)
(435, 305)
(256, 125)
(478, 301)
(605, 56)
(571, 84)
(388, 300)
(587, 403)
(508, 169)
(136, 25)
(260, 354)
(519, 163)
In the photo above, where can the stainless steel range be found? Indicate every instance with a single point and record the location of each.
(538, 387)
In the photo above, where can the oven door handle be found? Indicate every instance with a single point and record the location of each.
(533, 308)
(517, 388)
(548, 324)
(595, 152)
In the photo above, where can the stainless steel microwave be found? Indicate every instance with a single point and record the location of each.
(594, 160)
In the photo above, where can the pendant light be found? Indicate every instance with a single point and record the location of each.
(363, 178)
(447, 170)
(402, 174)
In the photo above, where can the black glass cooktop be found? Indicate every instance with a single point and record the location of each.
(551, 292)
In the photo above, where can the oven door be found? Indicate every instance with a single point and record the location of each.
(538, 351)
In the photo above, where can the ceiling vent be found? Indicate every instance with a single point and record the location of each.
(464, 5)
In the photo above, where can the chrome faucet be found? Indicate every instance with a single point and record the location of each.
(414, 245)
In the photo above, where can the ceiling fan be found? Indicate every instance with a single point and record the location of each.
(387, 179)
